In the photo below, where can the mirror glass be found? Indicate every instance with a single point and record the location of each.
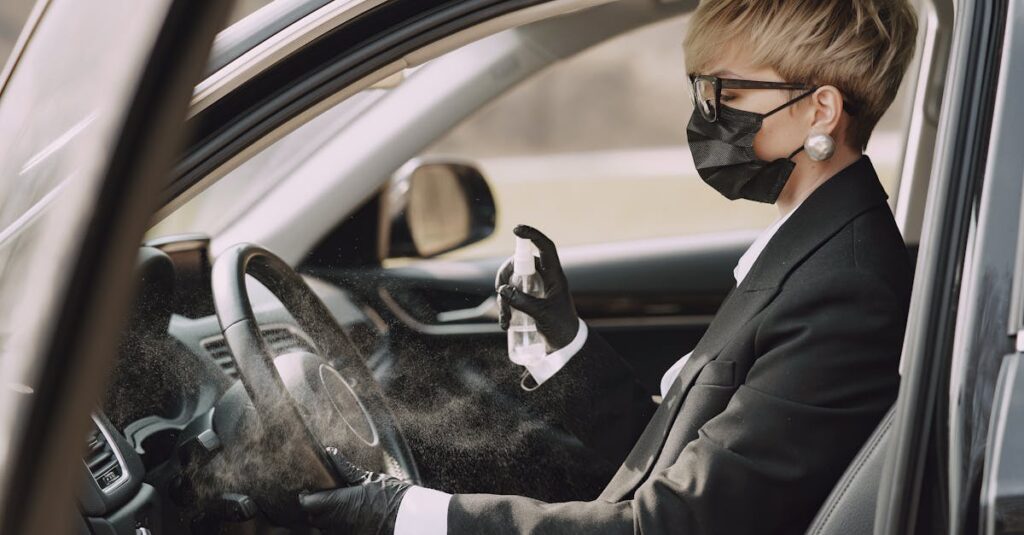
(438, 212)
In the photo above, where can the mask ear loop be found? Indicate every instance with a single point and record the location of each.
(522, 382)
(790, 102)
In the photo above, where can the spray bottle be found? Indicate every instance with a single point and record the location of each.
(526, 345)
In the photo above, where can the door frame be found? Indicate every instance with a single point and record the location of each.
(919, 445)
(75, 363)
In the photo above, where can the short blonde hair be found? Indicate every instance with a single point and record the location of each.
(862, 47)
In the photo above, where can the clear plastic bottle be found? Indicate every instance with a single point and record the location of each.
(526, 345)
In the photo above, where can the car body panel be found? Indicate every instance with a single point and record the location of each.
(993, 282)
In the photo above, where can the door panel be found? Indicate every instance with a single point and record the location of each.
(651, 299)
(954, 257)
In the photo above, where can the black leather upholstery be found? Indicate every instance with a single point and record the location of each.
(850, 508)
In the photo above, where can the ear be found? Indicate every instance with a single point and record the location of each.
(827, 102)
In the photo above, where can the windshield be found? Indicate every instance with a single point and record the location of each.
(220, 204)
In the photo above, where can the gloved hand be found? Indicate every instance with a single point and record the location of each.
(370, 505)
(555, 313)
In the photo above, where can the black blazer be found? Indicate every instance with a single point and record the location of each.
(791, 377)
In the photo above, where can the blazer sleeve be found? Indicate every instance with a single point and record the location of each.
(595, 391)
(826, 372)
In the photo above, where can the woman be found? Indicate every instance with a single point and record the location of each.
(801, 360)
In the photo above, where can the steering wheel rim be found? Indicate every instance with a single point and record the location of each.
(262, 380)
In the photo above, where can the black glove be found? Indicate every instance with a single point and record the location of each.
(370, 505)
(555, 313)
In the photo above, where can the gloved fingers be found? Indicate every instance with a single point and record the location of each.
(504, 274)
(327, 501)
(501, 279)
(522, 301)
(504, 313)
(550, 267)
(318, 503)
(329, 508)
(352, 474)
(548, 251)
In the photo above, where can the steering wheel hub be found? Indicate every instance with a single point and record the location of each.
(333, 409)
(347, 403)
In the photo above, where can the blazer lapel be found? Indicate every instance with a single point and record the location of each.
(849, 193)
(824, 212)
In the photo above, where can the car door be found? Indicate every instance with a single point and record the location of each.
(962, 317)
(91, 109)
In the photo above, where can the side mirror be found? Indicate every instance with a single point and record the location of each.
(434, 206)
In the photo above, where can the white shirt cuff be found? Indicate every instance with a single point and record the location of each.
(548, 366)
(423, 511)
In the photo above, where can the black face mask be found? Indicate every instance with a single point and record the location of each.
(723, 152)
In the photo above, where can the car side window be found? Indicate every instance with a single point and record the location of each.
(593, 150)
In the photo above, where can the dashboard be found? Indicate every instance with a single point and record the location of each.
(174, 394)
(173, 366)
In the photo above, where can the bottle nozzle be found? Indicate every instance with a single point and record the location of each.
(522, 262)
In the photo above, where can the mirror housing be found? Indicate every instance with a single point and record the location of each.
(433, 206)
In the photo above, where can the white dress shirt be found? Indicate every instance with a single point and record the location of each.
(739, 273)
(425, 511)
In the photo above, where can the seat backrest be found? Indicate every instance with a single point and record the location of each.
(850, 508)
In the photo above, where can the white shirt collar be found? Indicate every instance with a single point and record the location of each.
(747, 260)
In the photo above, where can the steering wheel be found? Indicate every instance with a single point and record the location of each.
(303, 400)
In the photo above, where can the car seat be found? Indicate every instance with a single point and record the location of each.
(850, 507)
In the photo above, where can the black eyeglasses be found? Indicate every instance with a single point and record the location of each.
(707, 92)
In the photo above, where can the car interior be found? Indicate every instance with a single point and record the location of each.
(340, 289)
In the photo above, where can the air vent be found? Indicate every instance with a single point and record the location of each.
(284, 340)
(281, 339)
(221, 355)
(102, 461)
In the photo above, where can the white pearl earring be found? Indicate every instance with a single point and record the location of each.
(819, 147)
